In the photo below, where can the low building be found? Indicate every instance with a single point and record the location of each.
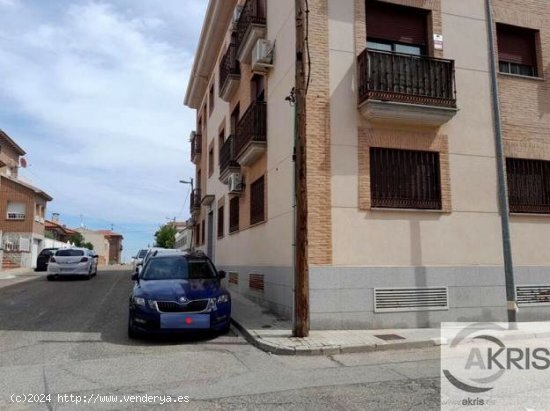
(22, 210)
(184, 237)
(107, 244)
(57, 231)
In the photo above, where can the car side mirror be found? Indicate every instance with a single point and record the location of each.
(222, 274)
(135, 276)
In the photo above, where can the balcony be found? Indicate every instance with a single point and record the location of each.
(251, 136)
(230, 73)
(195, 203)
(196, 147)
(250, 27)
(228, 164)
(406, 89)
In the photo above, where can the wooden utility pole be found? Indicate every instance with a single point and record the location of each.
(301, 274)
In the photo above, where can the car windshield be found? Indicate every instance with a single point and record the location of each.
(142, 253)
(69, 253)
(178, 268)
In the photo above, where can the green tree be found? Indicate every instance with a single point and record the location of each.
(77, 239)
(165, 237)
(88, 245)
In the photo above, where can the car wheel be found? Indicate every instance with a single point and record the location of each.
(49, 277)
(132, 333)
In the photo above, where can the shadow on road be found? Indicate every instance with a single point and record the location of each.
(76, 305)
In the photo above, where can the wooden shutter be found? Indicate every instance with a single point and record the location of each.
(396, 23)
(516, 45)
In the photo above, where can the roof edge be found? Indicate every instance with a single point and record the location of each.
(12, 143)
(214, 29)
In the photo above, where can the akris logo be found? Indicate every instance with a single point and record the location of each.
(494, 361)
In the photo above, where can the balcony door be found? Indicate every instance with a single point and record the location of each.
(210, 239)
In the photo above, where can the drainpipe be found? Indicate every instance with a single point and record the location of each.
(511, 303)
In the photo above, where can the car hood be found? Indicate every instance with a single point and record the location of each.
(171, 290)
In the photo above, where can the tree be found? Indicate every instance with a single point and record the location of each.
(165, 236)
(79, 241)
(88, 245)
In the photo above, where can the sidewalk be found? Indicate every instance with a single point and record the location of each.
(17, 275)
(265, 331)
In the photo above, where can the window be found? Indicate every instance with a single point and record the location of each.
(517, 51)
(197, 234)
(220, 222)
(405, 179)
(211, 162)
(203, 228)
(16, 211)
(396, 28)
(221, 140)
(234, 214)
(257, 201)
(257, 88)
(211, 99)
(528, 185)
(235, 118)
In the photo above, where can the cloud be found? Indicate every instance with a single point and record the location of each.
(93, 91)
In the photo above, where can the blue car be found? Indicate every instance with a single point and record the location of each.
(178, 292)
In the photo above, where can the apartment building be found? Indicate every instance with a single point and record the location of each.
(404, 220)
(22, 210)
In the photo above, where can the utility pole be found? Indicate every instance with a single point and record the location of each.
(511, 303)
(301, 274)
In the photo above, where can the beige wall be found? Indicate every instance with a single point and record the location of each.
(100, 243)
(269, 243)
(469, 233)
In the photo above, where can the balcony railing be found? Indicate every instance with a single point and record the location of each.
(227, 155)
(230, 69)
(253, 13)
(195, 200)
(196, 147)
(406, 78)
(252, 128)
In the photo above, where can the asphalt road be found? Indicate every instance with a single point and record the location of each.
(68, 338)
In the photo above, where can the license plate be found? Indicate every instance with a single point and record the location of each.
(184, 321)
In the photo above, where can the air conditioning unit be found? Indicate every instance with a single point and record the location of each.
(236, 16)
(192, 136)
(235, 183)
(263, 56)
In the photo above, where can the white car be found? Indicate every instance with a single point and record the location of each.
(138, 259)
(72, 261)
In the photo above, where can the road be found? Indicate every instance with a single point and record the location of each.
(69, 337)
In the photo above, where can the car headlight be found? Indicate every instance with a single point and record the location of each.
(139, 301)
(224, 298)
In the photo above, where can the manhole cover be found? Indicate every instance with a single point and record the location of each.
(389, 337)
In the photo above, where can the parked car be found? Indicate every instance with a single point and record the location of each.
(138, 259)
(178, 292)
(73, 261)
(44, 258)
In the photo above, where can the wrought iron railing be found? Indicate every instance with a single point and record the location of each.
(406, 78)
(252, 127)
(196, 146)
(253, 12)
(229, 65)
(227, 155)
(195, 200)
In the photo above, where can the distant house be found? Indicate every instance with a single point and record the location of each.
(184, 236)
(56, 231)
(22, 210)
(107, 244)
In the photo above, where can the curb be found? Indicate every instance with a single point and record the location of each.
(329, 350)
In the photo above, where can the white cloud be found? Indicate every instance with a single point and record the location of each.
(95, 96)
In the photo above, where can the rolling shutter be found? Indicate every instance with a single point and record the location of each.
(396, 23)
(516, 45)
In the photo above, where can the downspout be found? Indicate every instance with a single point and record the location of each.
(511, 303)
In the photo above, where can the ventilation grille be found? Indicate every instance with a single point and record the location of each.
(410, 299)
(233, 278)
(529, 295)
(256, 282)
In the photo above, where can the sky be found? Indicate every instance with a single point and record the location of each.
(93, 91)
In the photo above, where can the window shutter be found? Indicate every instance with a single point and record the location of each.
(396, 23)
(16, 208)
(516, 45)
